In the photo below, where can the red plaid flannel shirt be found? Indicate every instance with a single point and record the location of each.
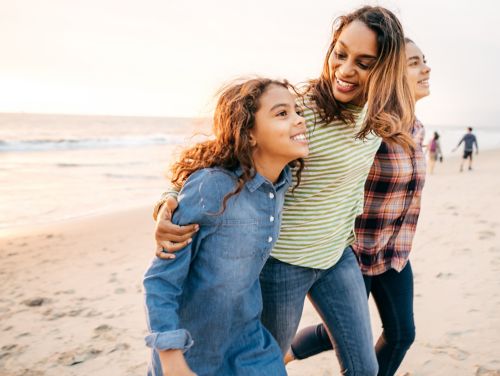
(385, 230)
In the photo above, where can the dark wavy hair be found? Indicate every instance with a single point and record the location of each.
(390, 105)
(234, 118)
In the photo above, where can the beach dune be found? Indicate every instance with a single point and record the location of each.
(71, 298)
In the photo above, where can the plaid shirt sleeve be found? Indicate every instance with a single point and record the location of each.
(385, 230)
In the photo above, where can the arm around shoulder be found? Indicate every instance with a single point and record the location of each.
(200, 199)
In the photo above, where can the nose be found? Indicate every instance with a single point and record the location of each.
(346, 69)
(300, 122)
(427, 69)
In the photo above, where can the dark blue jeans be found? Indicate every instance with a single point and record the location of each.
(338, 295)
(393, 295)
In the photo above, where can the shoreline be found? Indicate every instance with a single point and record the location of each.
(22, 229)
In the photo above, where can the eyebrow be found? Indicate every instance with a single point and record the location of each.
(286, 105)
(279, 105)
(414, 58)
(360, 56)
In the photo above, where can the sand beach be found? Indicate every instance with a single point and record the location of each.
(71, 299)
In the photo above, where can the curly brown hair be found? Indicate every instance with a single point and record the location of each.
(390, 104)
(233, 120)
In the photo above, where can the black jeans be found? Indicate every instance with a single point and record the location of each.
(393, 295)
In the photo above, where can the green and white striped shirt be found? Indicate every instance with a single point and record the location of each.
(318, 218)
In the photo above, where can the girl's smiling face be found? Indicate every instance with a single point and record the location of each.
(280, 130)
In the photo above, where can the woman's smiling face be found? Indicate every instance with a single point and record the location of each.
(353, 56)
(418, 71)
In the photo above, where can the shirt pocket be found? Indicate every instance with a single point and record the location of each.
(241, 239)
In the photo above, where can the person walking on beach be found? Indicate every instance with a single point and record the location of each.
(385, 234)
(434, 151)
(365, 65)
(469, 140)
(203, 307)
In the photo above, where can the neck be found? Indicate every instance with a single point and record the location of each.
(268, 167)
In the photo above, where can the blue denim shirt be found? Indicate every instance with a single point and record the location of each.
(207, 301)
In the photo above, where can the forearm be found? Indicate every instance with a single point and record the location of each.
(170, 192)
(173, 363)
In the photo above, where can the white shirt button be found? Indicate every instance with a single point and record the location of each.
(271, 219)
(270, 239)
(271, 195)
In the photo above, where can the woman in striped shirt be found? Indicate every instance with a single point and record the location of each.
(385, 233)
(365, 66)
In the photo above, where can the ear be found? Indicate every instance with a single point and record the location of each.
(253, 141)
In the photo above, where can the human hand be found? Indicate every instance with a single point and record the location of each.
(169, 237)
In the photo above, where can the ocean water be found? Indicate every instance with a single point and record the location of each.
(57, 167)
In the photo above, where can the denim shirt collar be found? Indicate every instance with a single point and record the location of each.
(252, 185)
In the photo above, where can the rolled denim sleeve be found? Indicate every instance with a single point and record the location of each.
(164, 279)
(163, 283)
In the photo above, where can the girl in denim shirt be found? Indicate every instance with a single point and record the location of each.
(203, 308)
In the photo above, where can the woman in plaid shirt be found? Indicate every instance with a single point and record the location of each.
(385, 233)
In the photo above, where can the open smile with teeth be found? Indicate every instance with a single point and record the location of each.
(344, 86)
(424, 82)
(299, 137)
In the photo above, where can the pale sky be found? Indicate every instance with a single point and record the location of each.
(168, 58)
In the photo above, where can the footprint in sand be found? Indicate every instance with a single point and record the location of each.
(444, 275)
(452, 352)
(72, 358)
(482, 371)
(454, 335)
(36, 302)
(8, 350)
(66, 292)
(93, 313)
(484, 235)
(119, 347)
(105, 331)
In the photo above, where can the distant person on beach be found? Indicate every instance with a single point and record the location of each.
(469, 140)
(204, 306)
(361, 93)
(434, 152)
(385, 234)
